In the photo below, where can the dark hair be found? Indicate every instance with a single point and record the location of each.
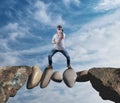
(59, 26)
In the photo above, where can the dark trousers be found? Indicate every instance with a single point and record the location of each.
(64, 52)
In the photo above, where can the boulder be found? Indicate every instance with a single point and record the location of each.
(57, 76)
(69, 77)
(34, 78)
(107, 82)
(12, 78)
(82, 76)
(46, 77)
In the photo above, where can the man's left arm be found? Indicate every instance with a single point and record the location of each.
(61, 37)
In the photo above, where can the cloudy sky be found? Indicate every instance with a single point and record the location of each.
(92, 40)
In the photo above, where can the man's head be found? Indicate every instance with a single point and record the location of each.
(59, 29)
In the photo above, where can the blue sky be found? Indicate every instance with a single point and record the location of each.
(92, 40)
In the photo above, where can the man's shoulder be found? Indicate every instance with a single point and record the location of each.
(64, 34)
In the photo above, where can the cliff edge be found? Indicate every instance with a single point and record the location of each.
(107, 82)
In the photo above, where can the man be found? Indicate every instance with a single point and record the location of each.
(58, 42)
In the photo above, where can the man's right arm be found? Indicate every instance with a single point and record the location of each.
(53, 40)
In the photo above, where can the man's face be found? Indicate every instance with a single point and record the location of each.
(59, 30)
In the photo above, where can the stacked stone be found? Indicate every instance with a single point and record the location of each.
(69, 76)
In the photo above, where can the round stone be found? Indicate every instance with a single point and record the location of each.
(82, 76)
(69, 77)
(34, 78)
(46, 77)
(57, 76)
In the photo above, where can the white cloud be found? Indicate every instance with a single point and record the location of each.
(10, 34)
(48, 18)
(107, 4)
(97, 43)
(4, 44)
(9, 59)
(14, 31)
(68, 2)
(41, 12)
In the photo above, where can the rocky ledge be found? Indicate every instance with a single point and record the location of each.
(11, 80)
(105, 80)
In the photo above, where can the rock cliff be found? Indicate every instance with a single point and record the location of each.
(12, 79)
(105, 80)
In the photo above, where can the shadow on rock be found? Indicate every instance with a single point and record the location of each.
(107, 82)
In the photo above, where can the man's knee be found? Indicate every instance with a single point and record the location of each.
(68, 57)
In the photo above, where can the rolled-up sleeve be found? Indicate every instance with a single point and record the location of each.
(53, 39)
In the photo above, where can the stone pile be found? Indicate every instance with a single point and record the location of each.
(69, 76)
